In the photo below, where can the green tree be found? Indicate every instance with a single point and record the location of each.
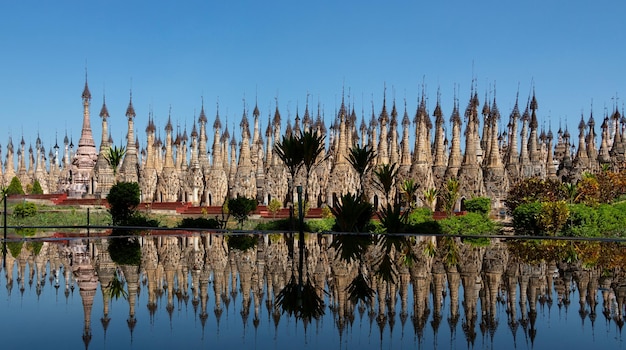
(240, 208)
(15, 187)
(361, 159)
(36, 188)
(123, 199)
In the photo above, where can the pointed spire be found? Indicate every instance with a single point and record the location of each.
(276, 114)
(104, 112)
(130, 111)
(86, 93)
(202, 118)
(168, 126)
(217, 124)
(406, 121)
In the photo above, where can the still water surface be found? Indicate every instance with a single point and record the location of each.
(209, 291)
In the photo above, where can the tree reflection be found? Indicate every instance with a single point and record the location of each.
(124, 250)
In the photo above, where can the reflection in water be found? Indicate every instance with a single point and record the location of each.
(499, 291)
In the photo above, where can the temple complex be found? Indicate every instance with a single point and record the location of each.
(484, 152)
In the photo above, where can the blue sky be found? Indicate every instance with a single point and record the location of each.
(176, 53)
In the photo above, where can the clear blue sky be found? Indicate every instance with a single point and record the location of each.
(173, 53)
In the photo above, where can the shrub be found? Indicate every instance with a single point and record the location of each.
(320, 225)
(123, 199)
(352, 215)
(326, 212)
(393, 219)
(24, 210)
(553, 216)
(534, 189)
(15, 187)
(588, 190)
(525, 218)
(274, 206)
(36, 188)
(273, 225)
(140, 220)
(582, 222)
(421, 220)
(420, 215)
(470, 224)
(612, 219)
(313, 225)
(199, 223)
(481, 205)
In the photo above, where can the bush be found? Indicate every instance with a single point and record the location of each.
(326, 212)
(36, 188)
(470, 224)
(140, 220)
(481, 205)
(420, 215)
(274, 206)
(352, 215)
(313, 225)
(320, 225)
(582, 222)
(553, 216)
(199, 223)
(24, 210)
(273, 225)
(123, 199)
(612, 219)
(421, 220)
(15, 187)
(605, 220)
(534, 189)
(525, 219)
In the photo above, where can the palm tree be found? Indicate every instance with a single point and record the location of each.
(313, 146)
(430, 196)
(289, 150)
(451, 195)
(409, 187)
(385, 179)
(114, 158)
(361, 159)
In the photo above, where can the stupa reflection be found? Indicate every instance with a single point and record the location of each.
(486, 293)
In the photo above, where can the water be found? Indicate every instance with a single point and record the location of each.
(200, 291)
